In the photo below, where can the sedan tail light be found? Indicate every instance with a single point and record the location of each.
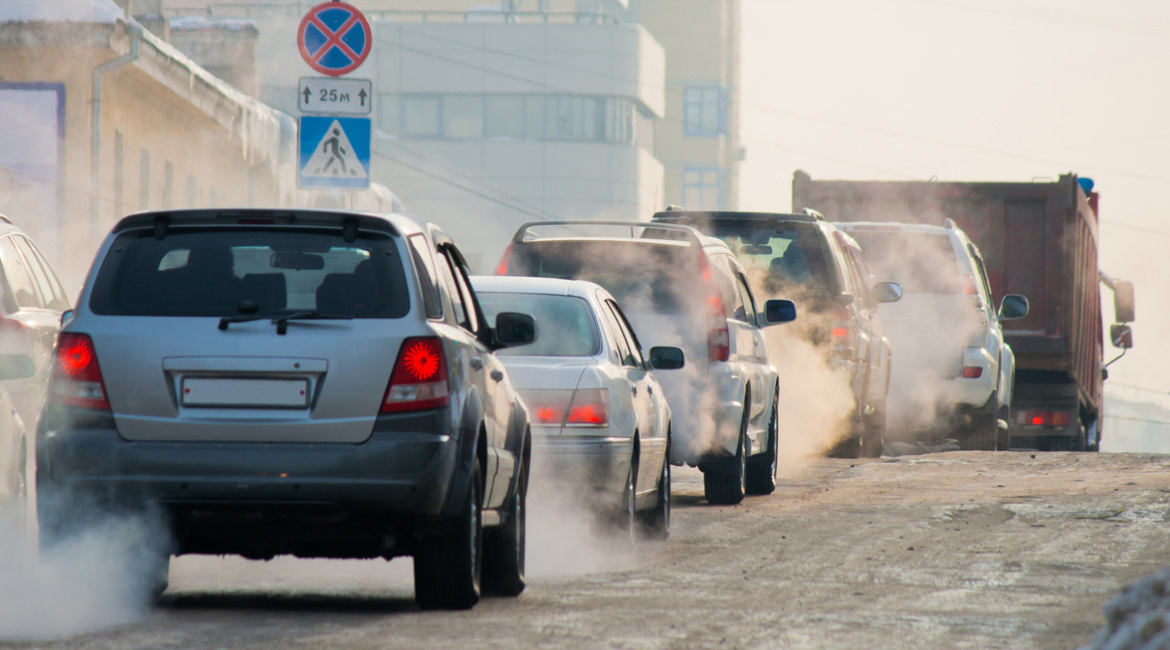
(587, 407)
(76, 379)
(419, 380)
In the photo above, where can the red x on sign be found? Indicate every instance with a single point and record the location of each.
(334, 38)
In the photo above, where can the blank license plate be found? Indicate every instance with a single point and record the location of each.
(279, 393)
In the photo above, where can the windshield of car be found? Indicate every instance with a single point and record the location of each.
(261, 272)
(656, 277)
(783, 260)
(920, 262)
(565, 326)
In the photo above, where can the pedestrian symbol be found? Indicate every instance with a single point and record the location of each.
(334, 152)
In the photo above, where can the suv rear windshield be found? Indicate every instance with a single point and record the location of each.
(645, 276)
(785, 258)
(262, 271)
(920, 262)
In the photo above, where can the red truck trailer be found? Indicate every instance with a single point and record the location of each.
(1038, 239)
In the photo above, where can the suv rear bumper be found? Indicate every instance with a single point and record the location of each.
(404, 468)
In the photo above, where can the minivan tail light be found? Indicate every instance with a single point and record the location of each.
(76, 378)
(419, 379)
(502, 267)
(718, 337)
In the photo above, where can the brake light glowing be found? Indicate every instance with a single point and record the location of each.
(969, 285)
(502, 267)
(419, 379)
(972, 372)
(76, 378)
(718, 337)
(840, 333)
(588, 407)
(1044, 418)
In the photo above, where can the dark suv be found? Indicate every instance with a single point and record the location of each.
(804, 258)
(312, 383)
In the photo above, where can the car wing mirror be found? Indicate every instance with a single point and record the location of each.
(66, 315)
(778, 311)
(666, 358)
(1013, 306)
(887, 292)
(1121, 335)
(514, 329)
(16, 366)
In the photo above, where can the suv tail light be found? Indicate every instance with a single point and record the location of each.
(718, 338)
(502, 267)
(587, 407)
(419, 380)
(842, 331)
(76, 378)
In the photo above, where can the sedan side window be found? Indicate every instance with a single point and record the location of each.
(615, 328)
(634, 356)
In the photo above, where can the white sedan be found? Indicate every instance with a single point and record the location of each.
(594, 406)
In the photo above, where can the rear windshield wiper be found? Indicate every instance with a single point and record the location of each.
(281, 322)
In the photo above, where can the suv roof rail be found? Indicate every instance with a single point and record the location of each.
(949, 223)
(703, 216)
(674, 208)
(689, 233)
(814, 214)
(5, 219)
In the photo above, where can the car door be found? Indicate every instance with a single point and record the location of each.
(33, 329)
(652, 435)
(756, 361)
(993, 339)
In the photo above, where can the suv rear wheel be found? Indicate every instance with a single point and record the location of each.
(724, 482)
(873, 433)
(761, 470)
(448, 568)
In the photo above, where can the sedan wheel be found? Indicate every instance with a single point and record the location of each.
(656, 522)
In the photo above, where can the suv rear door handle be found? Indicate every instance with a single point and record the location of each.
(496, 375)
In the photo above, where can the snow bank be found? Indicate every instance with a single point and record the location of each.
(73, 11)
(192, 23)
(1138, 618)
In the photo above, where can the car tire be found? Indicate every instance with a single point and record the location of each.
(874, 432)
(761, 469)
(655, 523)
(724, 482)
(448, 568)
(626, 517)
(504, 547)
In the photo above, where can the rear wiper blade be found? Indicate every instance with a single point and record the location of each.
(227, 320)
(282, 321)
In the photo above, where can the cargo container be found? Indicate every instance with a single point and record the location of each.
(1039, 239)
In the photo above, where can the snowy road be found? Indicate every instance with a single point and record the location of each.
(951, 550)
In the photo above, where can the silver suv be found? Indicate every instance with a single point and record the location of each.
(952, 370)
(313, 383)
(682, 289)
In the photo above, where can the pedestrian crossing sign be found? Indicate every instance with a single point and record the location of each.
(334, 152)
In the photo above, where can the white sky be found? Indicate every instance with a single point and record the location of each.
(977, 90)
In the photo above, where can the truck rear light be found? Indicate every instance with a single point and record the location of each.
(718, 337)
(1044, 418)
(582, 408)
(76, 378)
(972, 372)
(419, 380)
(502, 267)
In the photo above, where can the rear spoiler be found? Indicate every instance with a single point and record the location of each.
(531, 231)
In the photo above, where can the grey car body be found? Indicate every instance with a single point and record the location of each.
(254, 399)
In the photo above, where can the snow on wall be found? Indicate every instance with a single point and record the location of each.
(191, 23)
(72, 11)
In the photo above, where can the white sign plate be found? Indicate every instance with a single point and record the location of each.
(335, 96)
(280, 393)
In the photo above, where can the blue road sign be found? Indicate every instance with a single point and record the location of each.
(334, 152)
(334, 38)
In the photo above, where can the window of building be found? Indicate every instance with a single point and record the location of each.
(422, 116)
(703, 111)
(463, 116)
(703, 188)
(503, 116)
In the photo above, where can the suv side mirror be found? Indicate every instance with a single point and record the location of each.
(778, 311)
(887, 292)
(1123, 301)
(1013, 306)
(66, 315)
(1121, 336)
(514, 329)
(18, 366)
(666, 358)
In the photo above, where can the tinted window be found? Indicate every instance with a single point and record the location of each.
(17, 275)
(920, 262)
(60, 299)
(645, 277)
(787, 259)
(624, 353)
(423, 261)
(212, 272)
(745, 297)
(565, 326)
(44, 286)
(635, 358)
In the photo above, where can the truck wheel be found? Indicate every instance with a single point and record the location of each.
(724, 483)
(874, 432)
(503, 548)
(761, 469)
(655, 523)
(448, 568)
